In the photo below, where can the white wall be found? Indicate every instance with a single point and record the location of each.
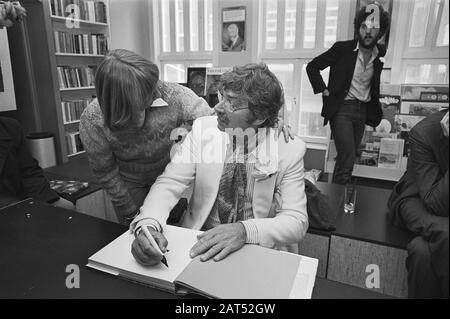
(130, 26)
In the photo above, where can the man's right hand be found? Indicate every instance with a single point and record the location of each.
(144, 252)
(326, 92)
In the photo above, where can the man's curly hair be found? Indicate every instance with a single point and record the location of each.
(259, 87)
(385, 19)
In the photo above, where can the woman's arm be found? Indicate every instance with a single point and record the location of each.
(103, 164)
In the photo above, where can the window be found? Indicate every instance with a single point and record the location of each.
(271, 24)
(443, 34)
(290, 24)
(310, 120)
(174, 73)
(177, 72)
(309, 16)
(285, 73)
(425, 59)
(208, 31)
(309, 27)
(331, 23)
(193, 27)
(179, 26)
(165, 22)
(419, 22)
(186, 31)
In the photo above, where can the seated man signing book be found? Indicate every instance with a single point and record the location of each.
(248, 185)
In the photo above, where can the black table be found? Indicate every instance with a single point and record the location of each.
(38, 241)
(76, 169)
(370, 222)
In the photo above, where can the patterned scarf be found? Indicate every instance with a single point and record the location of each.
(231, 195)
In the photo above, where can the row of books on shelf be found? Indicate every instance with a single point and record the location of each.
(73, 143)
(76, 77)
(73, 109)
(80, 43)
(87, 10)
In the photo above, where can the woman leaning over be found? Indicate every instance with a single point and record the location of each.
(126, 131)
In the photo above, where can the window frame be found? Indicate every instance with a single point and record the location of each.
(186, 57)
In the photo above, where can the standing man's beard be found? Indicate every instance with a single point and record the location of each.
(364, 44)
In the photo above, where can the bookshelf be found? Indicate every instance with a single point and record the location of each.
(64, 41)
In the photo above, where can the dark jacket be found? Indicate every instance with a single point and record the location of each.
(20, 174)
(341, 58)
(426, 176)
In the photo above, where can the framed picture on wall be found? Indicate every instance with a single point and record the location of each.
(387, 6)
(196, 80)
(233, 29)
(7, 97)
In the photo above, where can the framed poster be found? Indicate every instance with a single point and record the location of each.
(233, 29)
(213, 82)
(7, 97)
(387, 6)
(196, 80)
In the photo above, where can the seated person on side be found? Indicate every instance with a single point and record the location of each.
(419, 203)
(245, 190)
(20, 174)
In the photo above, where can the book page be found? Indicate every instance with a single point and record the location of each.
(118, 258)
(305, 279)
(252, 272)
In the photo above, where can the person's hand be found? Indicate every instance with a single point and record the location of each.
(144, 252)
(326, 92)
(219, 242)
(10, 12)
(64, 203)
(286, 129)
(444, 125)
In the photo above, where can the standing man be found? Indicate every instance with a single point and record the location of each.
(419, 203)
(351, 99)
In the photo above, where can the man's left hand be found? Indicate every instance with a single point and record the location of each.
(219, 242)
(286, 130)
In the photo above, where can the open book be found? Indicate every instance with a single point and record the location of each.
(252, 272)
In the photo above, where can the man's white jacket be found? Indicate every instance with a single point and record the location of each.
(279, 200)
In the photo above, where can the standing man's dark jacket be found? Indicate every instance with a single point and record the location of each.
(426, 176)
(20, 174)
(341, 58)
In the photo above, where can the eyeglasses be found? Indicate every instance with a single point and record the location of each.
(232, 104)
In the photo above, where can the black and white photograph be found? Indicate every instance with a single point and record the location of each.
(196, 80)
(233, 29)
(213, 157)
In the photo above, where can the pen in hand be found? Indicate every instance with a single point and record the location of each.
(154, 244)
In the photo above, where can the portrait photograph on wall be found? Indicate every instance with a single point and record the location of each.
(233, 29)
(387, 6)
(7, 97)
(196, 80)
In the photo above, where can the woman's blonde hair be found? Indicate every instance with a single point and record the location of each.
(124, 82)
